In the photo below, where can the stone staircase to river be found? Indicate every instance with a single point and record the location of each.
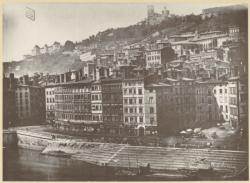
(159, 158)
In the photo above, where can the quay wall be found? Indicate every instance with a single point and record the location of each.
(9, 138)
(32, 140)
(123, 155)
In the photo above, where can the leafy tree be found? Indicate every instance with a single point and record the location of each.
(69, 46)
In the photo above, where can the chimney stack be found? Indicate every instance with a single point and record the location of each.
(62, 78)
(26, 79)
(12, 81)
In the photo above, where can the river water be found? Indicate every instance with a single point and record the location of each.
(30, 165)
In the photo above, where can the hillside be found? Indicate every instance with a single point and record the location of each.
(173, 25)
(52, 64)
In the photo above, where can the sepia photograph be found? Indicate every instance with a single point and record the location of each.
(140, 91)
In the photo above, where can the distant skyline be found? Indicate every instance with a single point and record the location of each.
(74, 21)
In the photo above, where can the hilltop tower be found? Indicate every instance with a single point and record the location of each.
(150, 11)
(165, 12)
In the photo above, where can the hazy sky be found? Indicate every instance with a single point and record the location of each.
(61, 22)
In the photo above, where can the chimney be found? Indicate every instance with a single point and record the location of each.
(73, 76)
(57, 79)
(97, 74)
(80, 74)
(26, 79)
(12, 81)
(106, 72)
(67, 77)
(62, 78)
(77, 75)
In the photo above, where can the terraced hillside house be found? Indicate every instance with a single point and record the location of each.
(158, 55)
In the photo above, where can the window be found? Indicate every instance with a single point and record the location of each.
(220, 90)
(152, 120)
(140, 100)
(125, 91)
(126, 110)
(209, 92)
(125, 101)
(130, 91)
(151, 99)
(209, 101)
(141, 119)
(140, 109)
(139, 91)
(130, 110)
(130, 101)
(126, 119)
(134, 91)
(151, 110)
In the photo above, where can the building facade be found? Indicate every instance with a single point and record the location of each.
(9, 102)
(50, 103)
(73, 106)
(30, 103)
(112, 105)
(134, 102)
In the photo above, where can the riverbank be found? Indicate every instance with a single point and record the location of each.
(124, 156)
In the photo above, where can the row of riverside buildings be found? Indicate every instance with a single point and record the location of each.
(186, 81)
(146, 104)
(135, 104)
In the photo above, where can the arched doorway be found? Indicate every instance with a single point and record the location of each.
(141, 131)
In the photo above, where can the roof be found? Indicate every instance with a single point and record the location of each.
(176, 61)
(211, 81)
(183, 35)
(210, 37)
(86, 81)
(187, 79)
(234, 78)
(56, 43)
(158, 85)
(31, 86)
(187, 42)
(171, 79)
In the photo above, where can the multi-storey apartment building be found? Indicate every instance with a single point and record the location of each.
(133, 102)
(208, 110)
(181, 104)
(30, 101)
(112, 106)
(221, 92)
(157, 106)
(9, 102)
(73, 104)
(50, 102)
(158, 56)
(96, 101)
(238, 102)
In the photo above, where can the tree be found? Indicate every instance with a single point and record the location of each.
(69, 46)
